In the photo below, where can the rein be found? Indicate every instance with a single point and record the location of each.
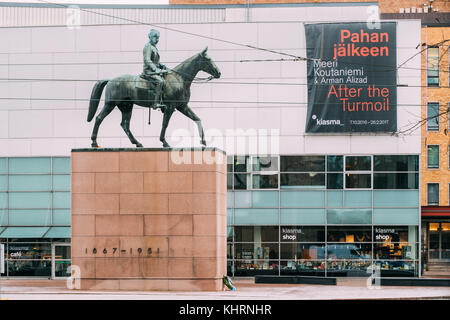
(196, 79)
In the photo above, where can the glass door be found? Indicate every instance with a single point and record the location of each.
(445, 241)
(439, 241)
(61, 260)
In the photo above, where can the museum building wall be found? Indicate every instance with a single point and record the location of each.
(298, 203)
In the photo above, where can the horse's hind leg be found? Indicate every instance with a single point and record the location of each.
(109, 106)
(127, 109)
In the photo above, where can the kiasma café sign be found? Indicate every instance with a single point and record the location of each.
(352, 78)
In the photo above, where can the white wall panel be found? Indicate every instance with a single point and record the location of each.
(51, 40)
(221, 104)
(30, 124)
(15, 147)
(4, 125)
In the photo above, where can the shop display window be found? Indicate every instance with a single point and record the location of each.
(256, 251)
(302, 234)
(351, 251)
(309, 251)
(302, 267)
(349, 234)
(256, 233)
(395, 251)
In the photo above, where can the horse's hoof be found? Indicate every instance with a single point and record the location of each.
(203, 142)
(166, 145)
(94, 145)
(139, 145)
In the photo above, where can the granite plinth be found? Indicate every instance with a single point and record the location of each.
(149, 218)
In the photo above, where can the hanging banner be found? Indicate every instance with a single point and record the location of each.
(352, 77)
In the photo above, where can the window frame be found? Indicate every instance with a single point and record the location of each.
(427, 117)
(428, 158)
(428, 194)
(357, 172)
(438, 67)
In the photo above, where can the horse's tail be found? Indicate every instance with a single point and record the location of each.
(95, 98)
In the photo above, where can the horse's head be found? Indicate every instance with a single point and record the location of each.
(207, 65)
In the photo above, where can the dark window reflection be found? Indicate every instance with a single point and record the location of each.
(335, 181)
(335, 163)
(396, 163)
(358, 163)
(265, 181)
(302, 163)
(302, 179)
(240, 181)
(241, 164)
(358, 181)
(395, 180)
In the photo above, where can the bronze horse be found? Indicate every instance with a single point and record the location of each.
(122, 92)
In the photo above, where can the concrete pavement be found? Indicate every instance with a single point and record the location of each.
(346, 289)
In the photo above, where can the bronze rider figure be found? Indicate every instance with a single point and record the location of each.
(153, 69)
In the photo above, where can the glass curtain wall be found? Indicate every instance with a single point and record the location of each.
(34, 212)
(320, 215)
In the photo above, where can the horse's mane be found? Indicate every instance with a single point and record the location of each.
(180, 67)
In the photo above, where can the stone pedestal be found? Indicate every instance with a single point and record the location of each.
(149, 219)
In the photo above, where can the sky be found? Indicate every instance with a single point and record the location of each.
(149, 2)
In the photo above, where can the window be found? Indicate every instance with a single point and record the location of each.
(433, 194)
(433, 116)
(396, 163)
(433, 156)
(433, 66)
(265, 172)
(302, 163)
(304, 171)
(357, 175)
(397, 180)
(357, 163)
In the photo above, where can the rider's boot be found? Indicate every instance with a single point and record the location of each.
(157, 102)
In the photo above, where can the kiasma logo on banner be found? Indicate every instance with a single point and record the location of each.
(352, 77)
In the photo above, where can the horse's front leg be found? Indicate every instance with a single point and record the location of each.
(191, 115)
(167, 115)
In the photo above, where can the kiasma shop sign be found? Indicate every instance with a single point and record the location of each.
(352, 77)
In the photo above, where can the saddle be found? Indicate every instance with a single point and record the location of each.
(145, 84)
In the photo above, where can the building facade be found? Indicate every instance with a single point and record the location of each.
(298, 203)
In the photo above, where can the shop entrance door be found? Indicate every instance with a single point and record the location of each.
(60, 260)
(439, 241)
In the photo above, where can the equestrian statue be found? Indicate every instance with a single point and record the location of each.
(158, 87)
